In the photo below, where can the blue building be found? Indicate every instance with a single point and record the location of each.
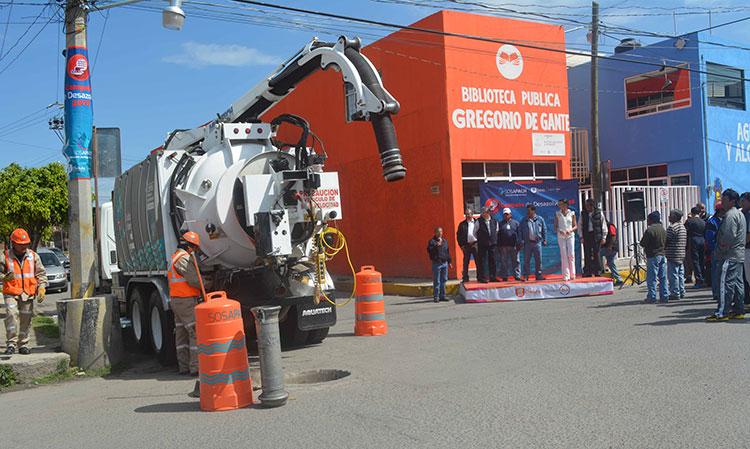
(686, 124)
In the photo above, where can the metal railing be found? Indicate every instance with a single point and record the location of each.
(662, 199)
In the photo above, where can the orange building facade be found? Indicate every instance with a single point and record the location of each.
(471, 111)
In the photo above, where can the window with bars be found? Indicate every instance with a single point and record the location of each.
(659, 91)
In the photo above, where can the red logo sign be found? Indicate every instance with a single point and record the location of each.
(494, 205)
(520, 292)
(78, 67)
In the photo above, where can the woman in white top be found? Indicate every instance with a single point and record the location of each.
(565, 227)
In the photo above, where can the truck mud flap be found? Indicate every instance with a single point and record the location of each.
(311, 316)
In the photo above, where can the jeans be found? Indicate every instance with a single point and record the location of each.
(731, 288)
(532, 249)
(509, 262)
(486, 258)
(439, 278)
(592, 261)
(610, 255)
(656, 269)
(469, 251)
(715, 275)
(676, 273)
(697, 257)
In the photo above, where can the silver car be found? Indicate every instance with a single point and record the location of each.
(57, 278)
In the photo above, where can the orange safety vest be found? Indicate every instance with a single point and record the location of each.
(178, 285)
(24, 280)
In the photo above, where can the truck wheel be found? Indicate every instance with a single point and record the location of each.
(161, 323)
(138, 310)
(317, 335)
(291, 335)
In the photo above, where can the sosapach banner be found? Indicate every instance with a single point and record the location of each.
(544, 195)
(78, 113)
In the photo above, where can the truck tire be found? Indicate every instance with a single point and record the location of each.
(137, 310)
(161, 324)
(291, 335)
(317, 336)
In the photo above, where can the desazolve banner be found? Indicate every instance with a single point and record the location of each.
(78, 114)
(544, 195)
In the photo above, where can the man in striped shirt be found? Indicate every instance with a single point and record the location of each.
(675, 252)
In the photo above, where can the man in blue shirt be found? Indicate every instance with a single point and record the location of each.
(532, 234)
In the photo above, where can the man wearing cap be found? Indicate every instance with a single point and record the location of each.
(653, 242)
(730, 255)
(24, 279)
(487, 247)
(466, 235)
(507, 237)
(675, 252)
(532, 234)
(184, 291)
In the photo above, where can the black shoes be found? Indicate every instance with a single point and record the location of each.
(518, 278)
(10, 350)
(24, 351)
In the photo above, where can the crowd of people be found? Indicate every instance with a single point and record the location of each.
(714, 250)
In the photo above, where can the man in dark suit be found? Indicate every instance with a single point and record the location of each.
(467, 240)
(486, 247)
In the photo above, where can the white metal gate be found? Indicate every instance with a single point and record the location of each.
(659, 198)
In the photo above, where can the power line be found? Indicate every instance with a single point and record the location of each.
(101, 37)
(463, 36)
(722, 24)
(18, 55)
(5, 33)
(24, 33)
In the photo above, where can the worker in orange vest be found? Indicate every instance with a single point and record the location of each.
(184, 291)
(24, 278)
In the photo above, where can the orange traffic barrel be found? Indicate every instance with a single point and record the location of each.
(369, 308)
(222, 356)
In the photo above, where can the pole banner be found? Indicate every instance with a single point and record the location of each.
(544, 195)
(78, 114)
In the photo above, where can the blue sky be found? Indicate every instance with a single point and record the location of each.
(148, 80)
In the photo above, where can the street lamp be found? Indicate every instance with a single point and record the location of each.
(172, 18)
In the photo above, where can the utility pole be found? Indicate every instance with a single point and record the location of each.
(596, 168)
(78, 129)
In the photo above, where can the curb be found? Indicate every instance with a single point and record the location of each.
(27, 368)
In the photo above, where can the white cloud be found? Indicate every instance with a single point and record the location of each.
(195, 54)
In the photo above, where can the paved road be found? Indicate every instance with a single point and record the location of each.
(587, 372)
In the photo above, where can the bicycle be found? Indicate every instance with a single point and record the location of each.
(637, 273)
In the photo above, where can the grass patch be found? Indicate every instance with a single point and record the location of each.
(63, 372)
(7, 377)
(46, 326)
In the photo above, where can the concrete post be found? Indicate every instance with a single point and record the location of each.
(90, 331)
(81, 235)
(269, 353)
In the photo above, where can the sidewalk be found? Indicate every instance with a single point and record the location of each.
(44, 359)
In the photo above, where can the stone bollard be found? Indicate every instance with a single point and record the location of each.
(90, 331)
(269, 353)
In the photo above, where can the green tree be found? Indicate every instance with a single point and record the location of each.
(35, 199)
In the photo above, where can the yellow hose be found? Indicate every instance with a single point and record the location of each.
(330, 252)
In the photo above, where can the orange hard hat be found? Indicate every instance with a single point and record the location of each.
(192, 237)
(20, 237)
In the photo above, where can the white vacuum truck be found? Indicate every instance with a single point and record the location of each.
(262, 207)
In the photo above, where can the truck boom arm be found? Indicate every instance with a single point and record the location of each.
(366, 98)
